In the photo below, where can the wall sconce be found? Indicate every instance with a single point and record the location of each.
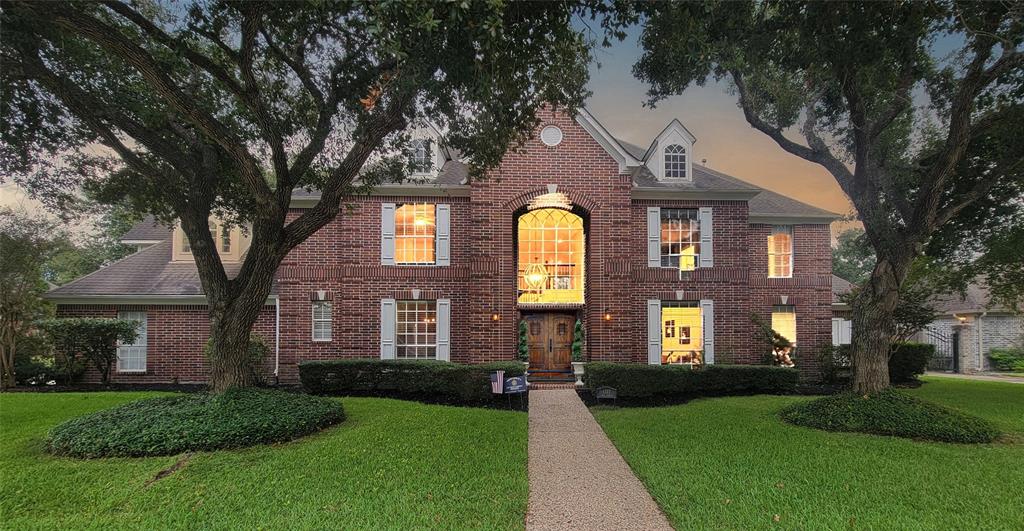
(606, 316)
(495, 317)
(961, 318)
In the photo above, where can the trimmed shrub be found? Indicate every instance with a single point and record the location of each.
(430, 381)
(908, 360)
(890, 413)
(636, 380)
(836, 362)
(175, 424)
(1007, 359)
(91, 338)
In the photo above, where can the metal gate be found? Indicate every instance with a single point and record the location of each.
(947, 350)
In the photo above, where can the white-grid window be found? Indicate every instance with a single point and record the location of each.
(680, 238)
(416, 331)
(132, 357)
(780, 252)
(321, 321)
(419, 155)
(675, 162)
(415, 234)
(225, 239)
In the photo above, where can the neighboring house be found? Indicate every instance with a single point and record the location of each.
(981, 324)
(662, 259)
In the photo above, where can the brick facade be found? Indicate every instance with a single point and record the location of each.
(343, 259)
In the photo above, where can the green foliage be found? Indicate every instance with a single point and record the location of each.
(641, 381)
(836, 362)
(94, 340)
(428, 381)
(524, 347)
(199, 422)
(891, 412)
(852, 257)
(778, 349)
(909, 360)
(578, 337)
(1007, 359)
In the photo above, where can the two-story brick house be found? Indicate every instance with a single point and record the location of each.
(662, 260)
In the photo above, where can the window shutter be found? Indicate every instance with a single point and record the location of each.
(387, 329)
(707, 312)
(654, 239)
(707, 250)
(444, 336)
(443, 234)
(387, 234)
(654, 332)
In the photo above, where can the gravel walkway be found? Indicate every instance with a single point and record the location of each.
(578, 480)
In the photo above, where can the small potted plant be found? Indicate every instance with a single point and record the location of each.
(523, 349)
(578, 337)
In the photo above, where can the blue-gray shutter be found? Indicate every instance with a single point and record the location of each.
(443, 234)
(707, 313)
(387, 329)
(707, 250)
(444, 336)
(653, 237)
(387, 234)
(654, 332)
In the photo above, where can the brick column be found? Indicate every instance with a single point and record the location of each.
(968, 344)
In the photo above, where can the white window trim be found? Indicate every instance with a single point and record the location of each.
(437, 323)
(329, 320)
(397, 238)
(699, 242)
(144, 347)
(792, 245)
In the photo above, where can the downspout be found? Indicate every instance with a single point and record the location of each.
(277, 337)
(981, 344)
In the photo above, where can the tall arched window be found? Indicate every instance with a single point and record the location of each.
(675, 161)
(551, 249)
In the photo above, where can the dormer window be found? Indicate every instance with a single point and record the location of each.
(675, 162)
(229, 241)
(420, 155)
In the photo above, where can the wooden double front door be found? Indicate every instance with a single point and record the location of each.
(549, 336)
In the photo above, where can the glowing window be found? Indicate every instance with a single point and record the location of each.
(784, 322)
(675, 162)
(780, 252)
(682, 337)
(414, 234)
(551, 252)
(680, 238)
(417, 330)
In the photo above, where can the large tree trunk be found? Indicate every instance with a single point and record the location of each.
(873, 326)
(230, 328)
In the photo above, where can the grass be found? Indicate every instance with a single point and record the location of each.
(732, 463)
(391, 464)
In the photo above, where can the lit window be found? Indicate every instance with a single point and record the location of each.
(780, 252)
(680, 238)
(551, 251)
(784, 322)
(675, 162)
(131, 357)
(682, 338)
(419, 155)
(414, 234)
(321, 321)
(416, 336)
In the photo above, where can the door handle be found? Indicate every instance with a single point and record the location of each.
(550, 345)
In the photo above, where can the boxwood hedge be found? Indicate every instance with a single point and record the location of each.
(639, 381)
(908, 360)
(425, 380)
(176, 424)
(890, 412)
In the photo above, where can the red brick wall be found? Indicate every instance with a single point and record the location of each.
(344, 260)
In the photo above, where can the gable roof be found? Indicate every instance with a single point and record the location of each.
(147, 230)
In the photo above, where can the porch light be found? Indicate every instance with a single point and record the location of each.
(961, 318)
(607, 316)
(495, 317)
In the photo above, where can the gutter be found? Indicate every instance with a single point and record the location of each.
(277, 338)
(981, 363)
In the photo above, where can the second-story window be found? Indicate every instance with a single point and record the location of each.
(419, 155)
(780, 252)
(415, 234)
(680, 238)
(675, 162)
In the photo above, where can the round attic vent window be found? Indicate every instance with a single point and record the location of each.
(551, 136)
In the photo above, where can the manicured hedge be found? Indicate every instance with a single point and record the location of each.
(1007, 359)
(890, 413)
(640, 381)
(908, 360)
(175, 424)
(430, 381)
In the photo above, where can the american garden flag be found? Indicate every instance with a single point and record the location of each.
(498, 382)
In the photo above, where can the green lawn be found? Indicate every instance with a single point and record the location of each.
(392, 464)
(731, 463)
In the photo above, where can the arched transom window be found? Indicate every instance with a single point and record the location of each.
(551, 249)
(675, 161)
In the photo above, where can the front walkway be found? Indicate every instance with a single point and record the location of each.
(993, 377)
(578, 480)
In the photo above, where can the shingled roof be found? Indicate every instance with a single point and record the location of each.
(147, 230)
